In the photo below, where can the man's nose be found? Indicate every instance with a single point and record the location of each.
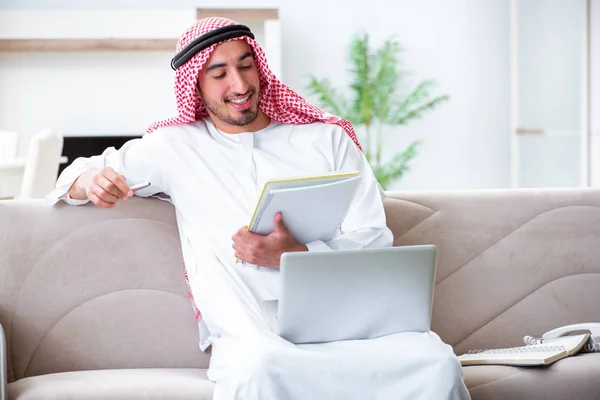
(238, 83)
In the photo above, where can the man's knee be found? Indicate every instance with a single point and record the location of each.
(262, 362)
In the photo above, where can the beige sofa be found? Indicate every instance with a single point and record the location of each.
(94, 304)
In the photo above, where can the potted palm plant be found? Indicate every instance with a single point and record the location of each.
(376, 102)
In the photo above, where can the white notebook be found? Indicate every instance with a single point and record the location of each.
(313, 207)
(539, 354)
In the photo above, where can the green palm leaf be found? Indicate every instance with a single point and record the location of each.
(416, 104)
(387, 77)
(374, 100)
(328, 98)
(361, 82)
(388, 172)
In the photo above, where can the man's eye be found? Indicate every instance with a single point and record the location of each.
(246, 67)
(220, 76)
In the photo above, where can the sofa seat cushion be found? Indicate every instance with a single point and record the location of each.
(130, 384)
(573, 377)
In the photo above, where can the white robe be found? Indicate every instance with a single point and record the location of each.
(214, 180)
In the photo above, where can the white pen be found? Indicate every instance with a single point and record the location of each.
(140, 186)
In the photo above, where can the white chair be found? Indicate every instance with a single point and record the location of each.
(10, 180)
(9, 142)
(41, 166)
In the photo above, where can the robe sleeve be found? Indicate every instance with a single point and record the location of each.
(365, 223)
(138, 160)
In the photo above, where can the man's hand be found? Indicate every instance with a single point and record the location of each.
(104, 188)
(266, 250)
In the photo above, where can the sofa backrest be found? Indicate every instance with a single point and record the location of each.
(89, 288)
(510, 262)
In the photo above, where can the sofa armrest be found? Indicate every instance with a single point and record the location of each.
(3, 372)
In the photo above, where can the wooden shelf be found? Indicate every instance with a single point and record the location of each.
(239, 14)
(37, 45)
(139, 44)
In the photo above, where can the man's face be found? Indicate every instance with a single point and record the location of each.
(229, 85)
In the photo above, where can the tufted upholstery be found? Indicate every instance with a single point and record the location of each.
(83, 288)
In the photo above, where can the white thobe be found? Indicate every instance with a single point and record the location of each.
(214, 180)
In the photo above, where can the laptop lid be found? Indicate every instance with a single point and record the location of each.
(355, 294)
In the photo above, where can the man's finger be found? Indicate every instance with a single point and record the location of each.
(99, 202)
(105, 196)
(108, 186)
(238, 249)
(238, 233)
(242, 258)
(240, 253)
(118, 181)
(248, 237)
(278, 221)
(279, 226)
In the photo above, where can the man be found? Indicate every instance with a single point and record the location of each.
(237, 127)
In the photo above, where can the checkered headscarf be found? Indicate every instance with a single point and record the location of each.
(276, 100)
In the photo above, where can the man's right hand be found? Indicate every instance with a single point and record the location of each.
(103, 187)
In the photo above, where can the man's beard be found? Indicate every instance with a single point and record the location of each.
(221, 112)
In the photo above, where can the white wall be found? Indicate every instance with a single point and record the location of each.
(89, 92)
(463, 44)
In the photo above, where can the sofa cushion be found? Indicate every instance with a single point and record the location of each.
(130, 384)
(570, 378)
(85, 288)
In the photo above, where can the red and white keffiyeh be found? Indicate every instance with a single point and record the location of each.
(276, 100)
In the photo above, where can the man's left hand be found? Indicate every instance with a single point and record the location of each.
(266, 250)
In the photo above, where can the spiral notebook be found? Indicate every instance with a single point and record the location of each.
(530, 355)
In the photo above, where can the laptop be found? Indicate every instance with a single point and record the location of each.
(353, 294)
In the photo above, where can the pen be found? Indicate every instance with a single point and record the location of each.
(140, 186)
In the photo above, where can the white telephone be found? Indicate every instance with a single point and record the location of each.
(593, 344)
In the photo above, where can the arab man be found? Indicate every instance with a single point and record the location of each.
(237, 127)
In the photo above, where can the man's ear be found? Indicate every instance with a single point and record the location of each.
(198, 93)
